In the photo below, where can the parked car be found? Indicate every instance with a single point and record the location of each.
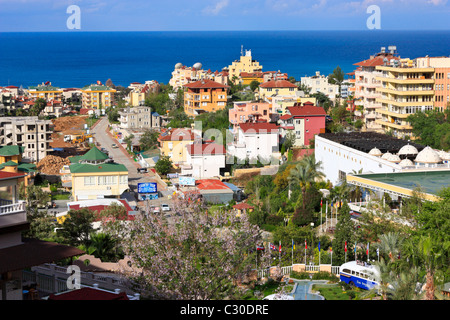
(157, 210)
(114, 145)
(165, 207)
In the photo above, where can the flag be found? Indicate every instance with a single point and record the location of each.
(272, 247)
(355, 247)
(259, 247)
(345, 246)
(331, 249)
(367, 251)
(321, 203)
(378, 252)
(280, 246)
(319, 246)
(293, 244)
(306, 247)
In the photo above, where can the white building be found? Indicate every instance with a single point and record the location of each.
(370, 152)
(203, 160)
(254, 141)
(319, 83)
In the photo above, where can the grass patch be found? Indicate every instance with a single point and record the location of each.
(61, 196)
(336, 292)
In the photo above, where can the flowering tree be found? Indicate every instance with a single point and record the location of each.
(196, 255)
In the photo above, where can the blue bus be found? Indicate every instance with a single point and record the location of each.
(359, 274)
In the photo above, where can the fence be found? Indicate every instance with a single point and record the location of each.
(299, 268)
(52, 279)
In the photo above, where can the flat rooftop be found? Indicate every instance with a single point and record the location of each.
(366, 141)
(431, 182)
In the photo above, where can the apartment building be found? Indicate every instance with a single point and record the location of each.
(204, 160)
(135, 118)
(276, 88)
(405, 89)
(441, 67)
(204, 96)
(305, 121)
(319, 83)
(245, 64)
(173, 143)
(244, 111)
(139, 91)
(183, 75)
(45, 91)
(97, 96)
(366, 84)
(28, 132)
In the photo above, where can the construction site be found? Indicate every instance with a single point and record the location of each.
(69, 138)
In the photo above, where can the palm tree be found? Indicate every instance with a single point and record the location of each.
(304, 174)
(390, 244)
(337, 77)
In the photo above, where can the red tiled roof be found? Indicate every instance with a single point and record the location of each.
(210, 184)
(376, 61)
(178, 134)
(4, 175)
(285, 117)
(243, 205)
(258, 74)
(278, 84)
(205, 84)
(259, 127)
(307, 110)
(206, 149)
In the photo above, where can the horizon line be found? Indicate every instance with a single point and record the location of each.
(261, 30)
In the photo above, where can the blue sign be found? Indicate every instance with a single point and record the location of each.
(186, 181)
(147, 187)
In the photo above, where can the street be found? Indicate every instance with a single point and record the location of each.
(120, 155)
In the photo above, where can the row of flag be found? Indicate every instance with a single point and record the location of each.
(274, 248)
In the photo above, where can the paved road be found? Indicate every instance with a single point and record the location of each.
(120, 155)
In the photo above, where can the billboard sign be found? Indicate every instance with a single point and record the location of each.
(147, 187)
(186, 181)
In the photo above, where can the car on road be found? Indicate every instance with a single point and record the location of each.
(114, 145)
(165, 207)
(156, 210)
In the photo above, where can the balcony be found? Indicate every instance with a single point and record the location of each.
(12, 213)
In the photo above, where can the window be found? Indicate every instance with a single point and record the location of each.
(89, 181)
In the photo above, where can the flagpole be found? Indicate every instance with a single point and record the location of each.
(321, 225)
(305, 254)
(292, 251)
(326, 217)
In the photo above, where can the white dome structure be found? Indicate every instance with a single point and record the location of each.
(407, 150)
(444, 155)
(178, 65)
(375, 152)
(198, 65)
(386, 155)
(428, 155)
(406, 163)
(393, 158)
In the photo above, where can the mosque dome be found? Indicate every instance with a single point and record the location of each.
(444, 155)
(198, 65)
(428, 155)
(393, 158)
(178, 65)
(386, 155)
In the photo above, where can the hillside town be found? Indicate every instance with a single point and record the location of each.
(318, 178)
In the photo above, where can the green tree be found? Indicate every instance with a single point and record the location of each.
(163, 165)
(129, 140)
(254, 85)
(149, 140)
(39, 105)
(431, 128)
(77, 227)
(337, 77)
(41, 224)
(345, 232)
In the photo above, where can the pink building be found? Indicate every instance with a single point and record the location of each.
(247, 111)
(304, 121)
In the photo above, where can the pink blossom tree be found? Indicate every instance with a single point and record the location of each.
(195, 255)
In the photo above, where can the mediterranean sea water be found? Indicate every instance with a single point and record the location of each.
(76, 59)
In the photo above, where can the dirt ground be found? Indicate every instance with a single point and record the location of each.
(64, 126)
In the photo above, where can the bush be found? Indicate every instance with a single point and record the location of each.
(299, 275)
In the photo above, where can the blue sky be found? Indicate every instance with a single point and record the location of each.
(212, 15)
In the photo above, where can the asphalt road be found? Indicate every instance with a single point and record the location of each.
(120, 155)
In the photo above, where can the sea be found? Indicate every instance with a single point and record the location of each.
(76, 59)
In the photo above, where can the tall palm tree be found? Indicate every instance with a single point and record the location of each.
(390, 244)
(304, 174)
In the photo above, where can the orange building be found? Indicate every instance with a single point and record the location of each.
(204, 96)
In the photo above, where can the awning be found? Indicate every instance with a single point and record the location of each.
(34, 252)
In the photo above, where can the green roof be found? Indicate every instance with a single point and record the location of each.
(74, 159)
(94, 87)
(8, 163)
(94, 155)
(7, 151)
(26, 167)
(97, 168)
(432, 182)
(44, 88)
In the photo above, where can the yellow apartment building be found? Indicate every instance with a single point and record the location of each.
(204, 96)
(45, 91)
(173, 144)
(276, 88)
(405, 89)
(97, 96)
(93, 176)
(245, 64)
